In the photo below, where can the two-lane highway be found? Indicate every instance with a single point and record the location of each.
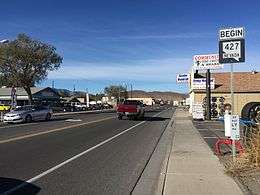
(94, 154)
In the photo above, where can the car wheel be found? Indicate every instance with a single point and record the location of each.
(250, 111)
(135, 117)
(120, 117)
(28, 119)
(48, 117)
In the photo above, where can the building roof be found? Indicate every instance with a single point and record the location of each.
(71, 99)
(243, 82)
(20, 91)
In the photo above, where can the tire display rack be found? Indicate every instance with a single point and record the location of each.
(218, 106)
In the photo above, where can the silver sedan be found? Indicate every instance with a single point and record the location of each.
(28, 114)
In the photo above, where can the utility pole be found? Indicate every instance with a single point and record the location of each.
(87, 98)
(126, 95)
(119, 94)
(131, 91)
(232, 107)
(52, 84)
(74, 87)
(208, 94)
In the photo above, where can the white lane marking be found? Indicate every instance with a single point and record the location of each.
(37, 177)
(53, 130)
(73, 120)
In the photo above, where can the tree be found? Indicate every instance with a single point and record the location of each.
(25, 62)
(117, 91)
(4, 81)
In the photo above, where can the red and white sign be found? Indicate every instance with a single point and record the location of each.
(209, 61)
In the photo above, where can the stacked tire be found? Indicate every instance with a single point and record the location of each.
(251, 111)
(217, 106)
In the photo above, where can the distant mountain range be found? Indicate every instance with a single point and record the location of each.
(167, 95)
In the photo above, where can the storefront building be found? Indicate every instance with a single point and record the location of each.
(246, 87)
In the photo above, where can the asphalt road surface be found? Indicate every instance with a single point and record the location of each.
(90, 154)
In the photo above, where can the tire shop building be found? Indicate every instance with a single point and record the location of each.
(246, 88)
(45, 96)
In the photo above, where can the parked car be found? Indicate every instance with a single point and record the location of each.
(28, 114)
(80, 106)
(4, 107)
(131, 109)
(107, 106)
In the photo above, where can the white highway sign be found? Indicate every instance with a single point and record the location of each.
(231, 33)
(232, 51)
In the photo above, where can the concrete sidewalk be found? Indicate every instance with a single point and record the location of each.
(192, 167)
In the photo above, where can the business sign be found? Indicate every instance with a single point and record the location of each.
(183, 78)
(235, 130)
(209, 61)
(231, 45)
(197, 111)
(227, 124)
(200, 83)
(231, 33)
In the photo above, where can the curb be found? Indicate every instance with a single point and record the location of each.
(164, 170)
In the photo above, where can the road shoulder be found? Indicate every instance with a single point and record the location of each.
(153, 177)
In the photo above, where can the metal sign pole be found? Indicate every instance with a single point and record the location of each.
(208, 94)
(232, 109)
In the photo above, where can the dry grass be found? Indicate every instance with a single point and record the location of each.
(250, 159)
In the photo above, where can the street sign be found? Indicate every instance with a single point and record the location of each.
(231, 33)
(235, 130)
(183, 78)
(200, 83)
(204, 62)
(197, 111)
(232, 51)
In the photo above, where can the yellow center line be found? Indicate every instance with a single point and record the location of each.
(53, 130)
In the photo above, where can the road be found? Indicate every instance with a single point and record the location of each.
(92, 154)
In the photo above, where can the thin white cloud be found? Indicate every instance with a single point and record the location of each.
(165, 36)
(151, 70)
(161, 70)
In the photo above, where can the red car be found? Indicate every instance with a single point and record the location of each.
(132, 109)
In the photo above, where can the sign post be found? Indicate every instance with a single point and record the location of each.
(232, 50)
(207, 62)
(13, 98)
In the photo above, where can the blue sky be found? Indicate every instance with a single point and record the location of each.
(142, 42)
